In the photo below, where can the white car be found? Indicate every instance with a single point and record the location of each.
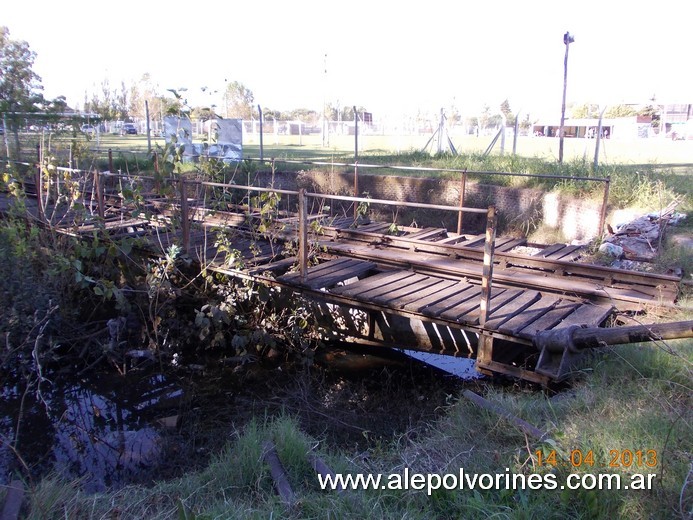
(88, 129)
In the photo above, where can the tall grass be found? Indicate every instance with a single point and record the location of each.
(636, 397)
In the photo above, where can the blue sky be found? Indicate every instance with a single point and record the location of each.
(390, 57)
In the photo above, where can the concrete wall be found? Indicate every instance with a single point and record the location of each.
(518, 208)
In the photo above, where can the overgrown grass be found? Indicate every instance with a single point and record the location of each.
(635, 397)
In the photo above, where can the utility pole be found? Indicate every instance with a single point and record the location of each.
(325, 124)
(567, 40)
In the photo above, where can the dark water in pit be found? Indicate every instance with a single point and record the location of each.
(110, 430)
(103, 429)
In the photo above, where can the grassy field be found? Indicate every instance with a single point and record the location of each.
(612, 151)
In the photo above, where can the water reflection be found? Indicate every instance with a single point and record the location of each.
(460, 367)
(99, 429)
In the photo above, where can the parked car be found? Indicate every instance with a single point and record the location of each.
(129, 128)
(88, 129)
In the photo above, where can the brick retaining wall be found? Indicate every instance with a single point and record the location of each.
(517, 207)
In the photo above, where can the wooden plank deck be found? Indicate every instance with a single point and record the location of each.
(513, 311)
(328, 274)
(560, 252)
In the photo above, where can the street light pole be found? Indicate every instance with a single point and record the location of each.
(567, 40)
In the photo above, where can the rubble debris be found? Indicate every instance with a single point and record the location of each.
(611, 249)
(641, 238)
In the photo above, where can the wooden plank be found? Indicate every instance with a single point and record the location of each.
(518, 277)
(441, 293)
(520, 424)
(511, 244)
(477, 241)
(421, 290)
(549, 319)
(339, 222)
(497, 302)
(279, 475)
(278, 265)
(427, 234)
(565, 254)
(325, 266)
(458, 239)
(371, 282)
(587, 314)
(470, 307)
(420, 298)
(549, 250)
(530, 314)
(473, 292)
(420, 283)
(328, 278)
(376, 227)
(501, 241)
(386, 288)
(513, 308)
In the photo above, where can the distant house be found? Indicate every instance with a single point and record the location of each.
(678, 120)
(672, 117)
(618, 127)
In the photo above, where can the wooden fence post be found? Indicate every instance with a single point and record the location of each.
(302, 233)
(100, 201)
(110, 160)
(485, 348)
(39, 189)
(279, 476)
(184, 217)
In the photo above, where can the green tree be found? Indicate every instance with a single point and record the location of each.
(620, 111)
(584, 111)
(485, 117)
(307, 115)
(109, 104)
(507, 112)
(20, 86)
(650, 111)
(238, 100)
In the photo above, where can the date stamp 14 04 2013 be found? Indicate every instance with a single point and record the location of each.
(586, 459)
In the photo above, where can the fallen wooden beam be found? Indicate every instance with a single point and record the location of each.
(521, 424)
(13, 500)
(281, 481)
(324, 470)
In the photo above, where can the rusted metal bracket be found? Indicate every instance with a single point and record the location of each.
(557, 352)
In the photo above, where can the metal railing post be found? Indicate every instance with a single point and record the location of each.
(356, 190)
(302, 233)
(463, 188)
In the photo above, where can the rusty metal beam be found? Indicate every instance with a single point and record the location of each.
(595, 337)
